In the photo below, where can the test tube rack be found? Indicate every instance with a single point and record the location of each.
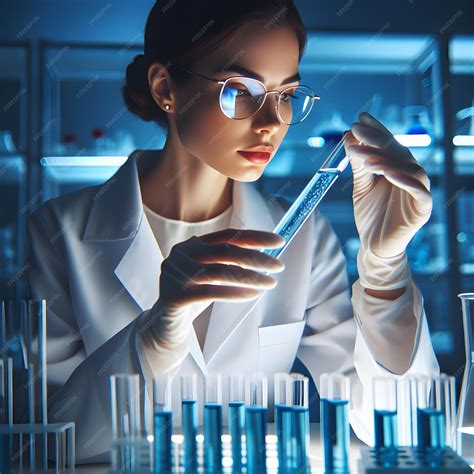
(410, 460)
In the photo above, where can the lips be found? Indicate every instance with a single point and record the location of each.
(258, 157)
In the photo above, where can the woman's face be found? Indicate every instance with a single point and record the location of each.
(271, 54)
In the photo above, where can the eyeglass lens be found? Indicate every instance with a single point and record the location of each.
(241, 97)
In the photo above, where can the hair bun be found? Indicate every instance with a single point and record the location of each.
(136, 91)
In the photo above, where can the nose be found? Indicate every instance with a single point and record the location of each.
(266, 119)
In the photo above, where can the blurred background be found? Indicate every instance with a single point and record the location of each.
(63, 124)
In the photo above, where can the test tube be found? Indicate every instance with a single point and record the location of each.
(213, 423)
(299, 421)
(34, 334)
(189, 419)
(6, 413)
(385, 413)
(334, 403)
(256, 399)
(282, 404)
(162, 424)
(236, 417)
(126, 420)
(310, 197)
(435, 408)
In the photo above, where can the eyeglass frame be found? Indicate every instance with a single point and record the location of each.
(224, 82)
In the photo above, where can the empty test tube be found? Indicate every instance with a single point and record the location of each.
(126, 421)
(335, 395)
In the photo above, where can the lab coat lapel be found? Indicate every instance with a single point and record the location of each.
(139, 268)
(117, 214)
(250, 211)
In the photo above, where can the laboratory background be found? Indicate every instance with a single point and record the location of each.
(410, 63)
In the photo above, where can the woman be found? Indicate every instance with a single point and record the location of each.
(152, 271)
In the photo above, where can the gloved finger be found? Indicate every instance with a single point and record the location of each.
(245, 238)
(210, 293)
(245, 258)
(372, 136)
(378, 160)
(350, 140)
(372, 155)
(220, 274)
(368, 119)
(407, 183)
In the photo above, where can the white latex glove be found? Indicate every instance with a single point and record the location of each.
(220, 266)
(392, 201)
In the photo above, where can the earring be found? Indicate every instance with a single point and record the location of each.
(167, 106)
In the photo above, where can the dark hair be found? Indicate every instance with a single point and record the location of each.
(177, 31)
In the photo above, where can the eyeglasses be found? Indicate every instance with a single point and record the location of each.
(241, 97)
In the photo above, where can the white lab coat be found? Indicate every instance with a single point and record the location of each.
(95, 259)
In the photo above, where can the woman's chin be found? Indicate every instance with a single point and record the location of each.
(249, 175)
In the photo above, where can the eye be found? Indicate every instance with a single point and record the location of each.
(286, 97)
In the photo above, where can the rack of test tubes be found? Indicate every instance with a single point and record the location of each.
(413, 426)
(28, 441)
(205, 443)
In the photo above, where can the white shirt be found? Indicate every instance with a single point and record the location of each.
(169, 232)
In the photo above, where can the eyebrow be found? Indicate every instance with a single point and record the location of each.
(247, 72)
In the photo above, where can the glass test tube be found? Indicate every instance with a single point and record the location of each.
(236, 417)
(213, 423)
(35, 343)
(6, 413)
(256, 399)
(162, 424)
(189, 419)
(385, 412)
(298, 422)
(310, 197)
(435, 408)
(282, 404)
(126, 420)
(335, 395)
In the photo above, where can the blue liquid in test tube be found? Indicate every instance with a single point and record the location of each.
(310, 197)
(284, 438)
(190, 429)
(189, 421)
(300, 432)
(256, 399)
(236, 427)
(335, 432)
(256, 430)
(162, 424)
(334, 391)
(385, 427)
(163, 428)
(430, 428)
(213, 436)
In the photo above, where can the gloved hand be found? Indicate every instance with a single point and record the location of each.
(220, 266)
(392, 201)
